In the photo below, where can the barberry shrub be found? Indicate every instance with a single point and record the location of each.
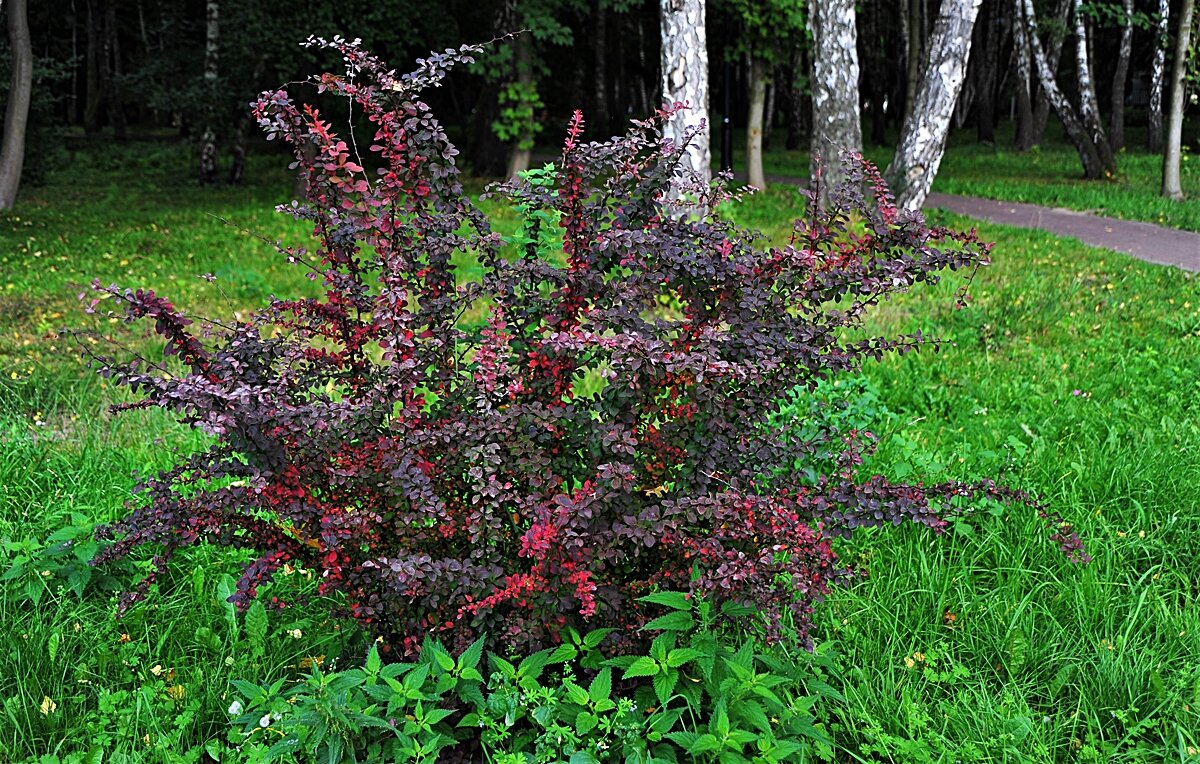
(600, 435)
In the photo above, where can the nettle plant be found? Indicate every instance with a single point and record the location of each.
(538, 448)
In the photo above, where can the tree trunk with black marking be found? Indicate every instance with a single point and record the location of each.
(923, 137)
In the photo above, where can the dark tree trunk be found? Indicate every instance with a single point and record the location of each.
(796, 111)
(923, 137)
(113, 94)
(989, 40)
(599, 38)
(1171, 186)
(520, 151)
(1116, 129)
(16, 110)
(94, 100)
(914, 48)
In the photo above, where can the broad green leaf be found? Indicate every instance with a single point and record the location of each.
(595, 637)
(564, 653)
(664, 685)
(585, 722)
(641, 667)
(470, 657)
(705, 743)
(682, 655)
(673, 600)
(601, 686)
(256, 623)
(583, 757)
(677, 621)
(374, 662)
(576, 694)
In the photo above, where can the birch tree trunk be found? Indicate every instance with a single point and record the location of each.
(1116, 124)
(923, 136)
(1058, 35)
(1171, 186)
(208, 141)
(1024, 137)
(835, 119)
(685, 78)
(754, 123)
(16, 111)
(1089, 107)
(1154, 136)
(1076, 132)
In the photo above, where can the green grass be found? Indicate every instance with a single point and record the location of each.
(1015, 654)
(1049, 175)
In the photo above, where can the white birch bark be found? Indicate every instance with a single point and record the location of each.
(835, 119)
(1116, 123)
(1089, 106)
(1171, 186)
(1024, 137)
(16, 111)
(685, 77)
(1076, 131)
(208, 143)
(923, 136)
(1158, 68)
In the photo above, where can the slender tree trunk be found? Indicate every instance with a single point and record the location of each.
(754, 123)
(1078, 134)
(1089, 107)
(16, 111)
(208, 141)
(599, 36)
(1024, 137)
(1154, 136)
(988, 42)
(1116, 129)
(1171, 186)
(795, 100)
(923, 136)
(769, 109)
(914, 47)
(521, 152)
(685, 78)
(95, 92)
(1058, 35)
(112, 53)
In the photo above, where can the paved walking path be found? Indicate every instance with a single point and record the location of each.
(1145, 241)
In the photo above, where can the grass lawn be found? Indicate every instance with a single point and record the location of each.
(1073, 371)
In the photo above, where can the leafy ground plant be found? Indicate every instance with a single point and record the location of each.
(536, 449)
